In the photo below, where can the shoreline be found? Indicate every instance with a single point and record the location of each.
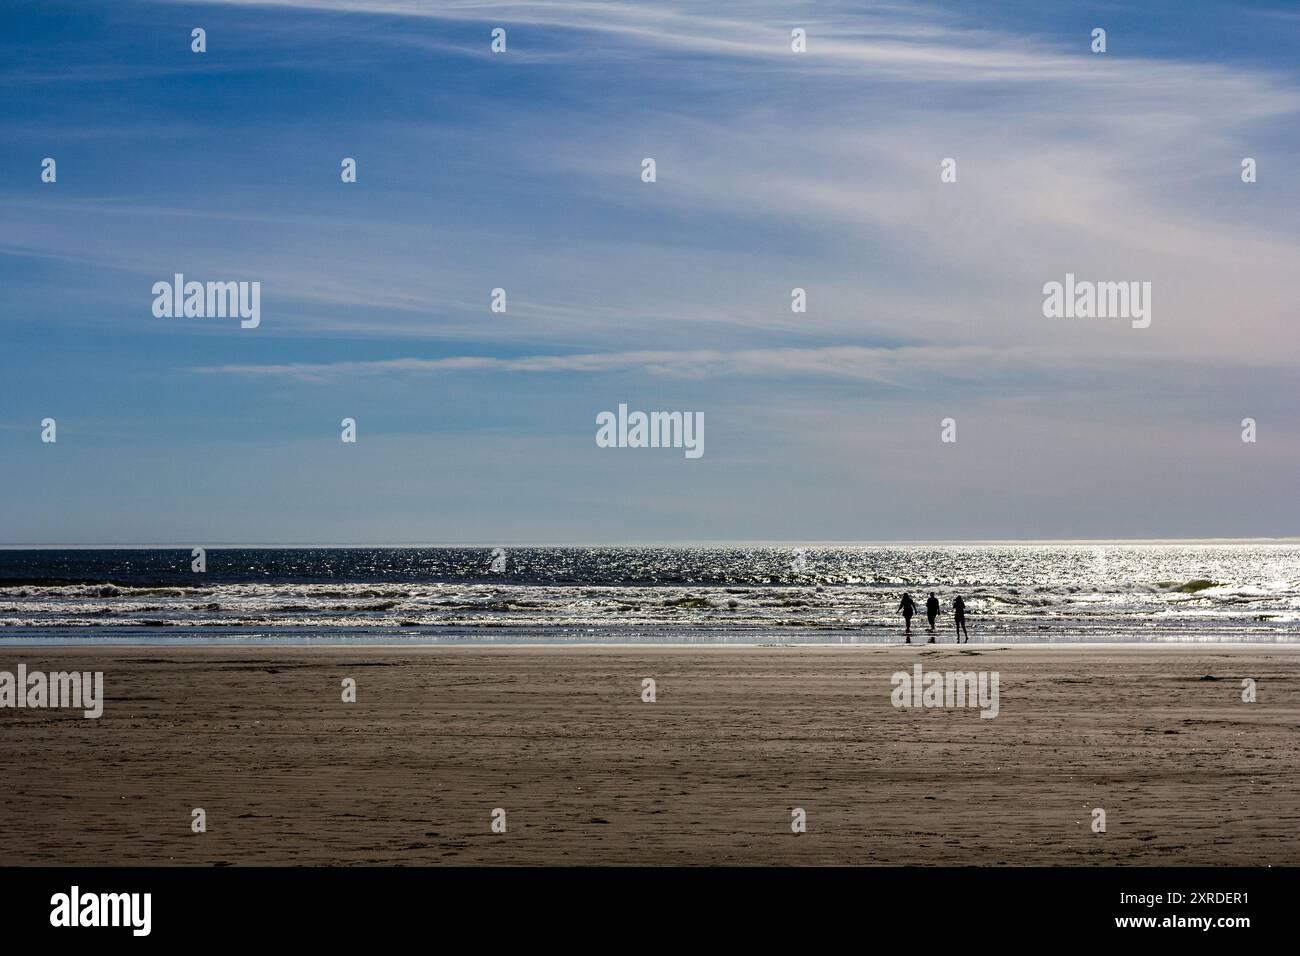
(342, 644)
(709, 773)
(494, 638)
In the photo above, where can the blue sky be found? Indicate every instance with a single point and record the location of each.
(522, 171)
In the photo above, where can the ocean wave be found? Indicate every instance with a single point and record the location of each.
(1190, 587)
(1033, 590)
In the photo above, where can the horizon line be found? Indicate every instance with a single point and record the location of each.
(685, 543)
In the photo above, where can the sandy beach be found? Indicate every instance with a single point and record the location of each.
(709, 773)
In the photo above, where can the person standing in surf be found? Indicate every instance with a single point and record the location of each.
(908, 607)
(959, 616)
(931, 612)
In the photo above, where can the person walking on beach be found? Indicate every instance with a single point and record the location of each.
(931, 612)
(959, 616)
(908, 607)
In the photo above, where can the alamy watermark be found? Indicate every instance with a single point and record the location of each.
(651, 430)
(951, 689)
(75, 908)
(1098, 300)
(208, 300)
(82, 690)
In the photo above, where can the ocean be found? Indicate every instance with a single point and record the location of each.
(1014, 593)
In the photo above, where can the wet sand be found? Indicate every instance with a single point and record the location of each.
(709, 773)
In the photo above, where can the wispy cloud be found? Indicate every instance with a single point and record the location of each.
(1114, 164)
(913, 42)
(776, 170)
(898, 367)
(845, 362)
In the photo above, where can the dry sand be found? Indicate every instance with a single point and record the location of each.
(708, 774)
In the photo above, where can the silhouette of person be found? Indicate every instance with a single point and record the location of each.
(931, 612)
(959, 616)
(908, 607)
